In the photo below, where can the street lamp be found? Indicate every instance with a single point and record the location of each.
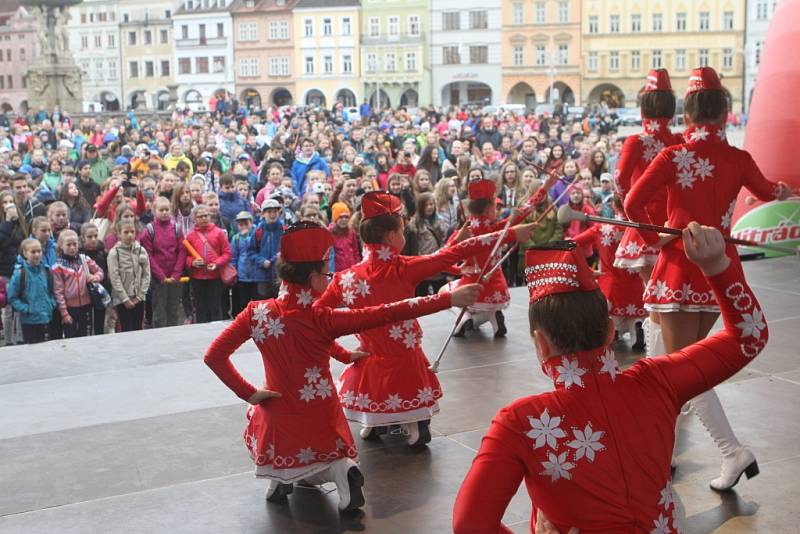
(551, 72)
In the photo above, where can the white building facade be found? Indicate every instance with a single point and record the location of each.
(203, 50)
(95, 43)
(759, 13)
(466, 54)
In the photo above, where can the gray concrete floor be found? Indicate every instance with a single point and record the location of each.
(131, 433)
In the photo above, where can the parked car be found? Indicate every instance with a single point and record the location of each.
(630, 116)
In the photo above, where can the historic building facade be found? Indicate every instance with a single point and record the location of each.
(759, 13)
(18, 47)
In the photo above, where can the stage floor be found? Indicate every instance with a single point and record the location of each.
(131, 433)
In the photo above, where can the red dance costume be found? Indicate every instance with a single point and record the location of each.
(595, 453)
(702, 178)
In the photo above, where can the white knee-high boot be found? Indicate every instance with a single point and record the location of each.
(736, 459)
(345, 473)
(655, 342)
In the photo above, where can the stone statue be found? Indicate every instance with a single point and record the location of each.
(62, 34)
(40, 14)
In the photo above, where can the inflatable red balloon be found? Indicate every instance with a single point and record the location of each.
(771, 134)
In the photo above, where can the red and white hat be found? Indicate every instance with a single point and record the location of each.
(703, 79)
(483, 188)
(376, 203)
(555, 268)
(306, 241)
(658, 80)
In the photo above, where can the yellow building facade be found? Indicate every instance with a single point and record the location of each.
(541, 47)
(623, 39)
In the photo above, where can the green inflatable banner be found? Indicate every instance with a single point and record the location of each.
(774, 222)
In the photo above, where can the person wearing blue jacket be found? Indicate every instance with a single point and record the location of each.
(265, 243)
(246, 287)
(308, 160)
(30, 293)
(230, 202)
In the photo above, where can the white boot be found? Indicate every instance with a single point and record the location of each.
(417, 433)
(277, 491)
(465, 326)
(736, 459)
(655, 343)
(349, 481)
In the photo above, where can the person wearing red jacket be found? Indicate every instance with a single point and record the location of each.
(595, 452)
(211, 243)
(394, 386)
(658, 108)
(403, 165)
(702, 177)
(296, 429)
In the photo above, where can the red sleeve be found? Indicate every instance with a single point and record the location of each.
(340, 353)
(102, 205)
(224, 248)
(219, 353)
(703, 365)
(631, 154)
(342, 322)
(332, 297)
(491, 482)
(588, 236)
(140, 207)
(418, 268)
(655, 179)
(180, 259)
(755, 181)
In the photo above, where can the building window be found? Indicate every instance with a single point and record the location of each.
(149, 69)
(327, 27)
(309, 65)
(680, 59)
(248, 67)
(327, 64)
(759, 46)
(347, 26)
(374, 27)
(761, 9)
(133, 69)
(347, 64)
(478, 55)
(519, 13)
(24, 82)
(451, 20)
(655, 62)
(613, 24)
(680, 22)
(519, 55)
(541, 13)
(167, 14)
(220, 30)
(451, 55)
(22, 54)
(10, 82)
(413, 25)
(636, 23)
(165, 67)
(702, 57)
(563, 54)
(278, 30)
(478, 20)
(284, 66)
(164, 36)
(201, 65)
(390, 62)
(658, 20)
(394, 26)
(308, 28)
(84, 42)
(98, 40)
(636, 60)
(411, 61)
(563, 12)
(184, 65)
(727, 58)
(592, 63)
(219, 64)
(98, 67)
(541, 55)
(705, 21)
(727, 20)
(248, 31)
(148, 37)
(372, 63)
(184, 31)
(274, 66)
(613, 61)
(202, 31)
(132, 38)
(594, 24)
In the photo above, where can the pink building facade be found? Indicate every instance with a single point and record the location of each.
(18, 48)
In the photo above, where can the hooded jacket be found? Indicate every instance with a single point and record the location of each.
(300, 169)
(70, 280)
(164, 249)
(246, 271)
(265, 243)
(35, 302)
(212, 244)
(129, 271)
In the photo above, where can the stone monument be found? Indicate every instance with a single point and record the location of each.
(54, 79)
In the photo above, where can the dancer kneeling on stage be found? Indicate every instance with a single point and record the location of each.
(296, 428)
(595, 452)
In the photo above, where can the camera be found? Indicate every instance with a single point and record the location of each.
(407, 154)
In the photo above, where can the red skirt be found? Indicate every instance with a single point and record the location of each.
(494, 295)
(623, 290)
(633, 251)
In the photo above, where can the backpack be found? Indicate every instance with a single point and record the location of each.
(151, 231)
(23, 276)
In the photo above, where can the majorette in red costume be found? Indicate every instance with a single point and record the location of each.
(595, 453)
(302, 434)
(637, 153)
(393, 385)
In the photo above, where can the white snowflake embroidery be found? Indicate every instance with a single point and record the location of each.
(497, 297)
(261, 312)
(348, 297)
(274, 327)
(271, 451)
(348, 397)
(409, 324)
(384, 254)
(545, 430)
(686, 178)
(687, 290)
(475, 223)
(307, 392)
(257, 333)
(653, 126)
(570, 373)
(393, 402)
(486, 239)
(347, 279)
(721, 134)
(662, 525)
(557, 467)
(667, 498)
(312, 374)
(586, 442)
(413, 302)
(410, 340)
(660, 289)
(324, 389)
(340, 444)
(703, 168)
(684, 159)
(306, 455)
(304, 298)
(726, 219)
(752, 324)
(700, 134)
(631, 248)
(425, 395)
(610, 364)
(362, 401)
(396, 332)
(363, 288)
(252, 443)
(631, 309)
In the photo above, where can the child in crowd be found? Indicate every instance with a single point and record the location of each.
(30, 292)
(41, 230)
(246, 287)
(58, 215)
(570, 171)
(93, 248)
(71, 275)
(129, 271)
(265, 244)
(346, 247)
(230, 202)
(576, 202)
(211, 243)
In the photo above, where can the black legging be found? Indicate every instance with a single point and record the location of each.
(81, 322)
(130, 320)
(207, 296)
